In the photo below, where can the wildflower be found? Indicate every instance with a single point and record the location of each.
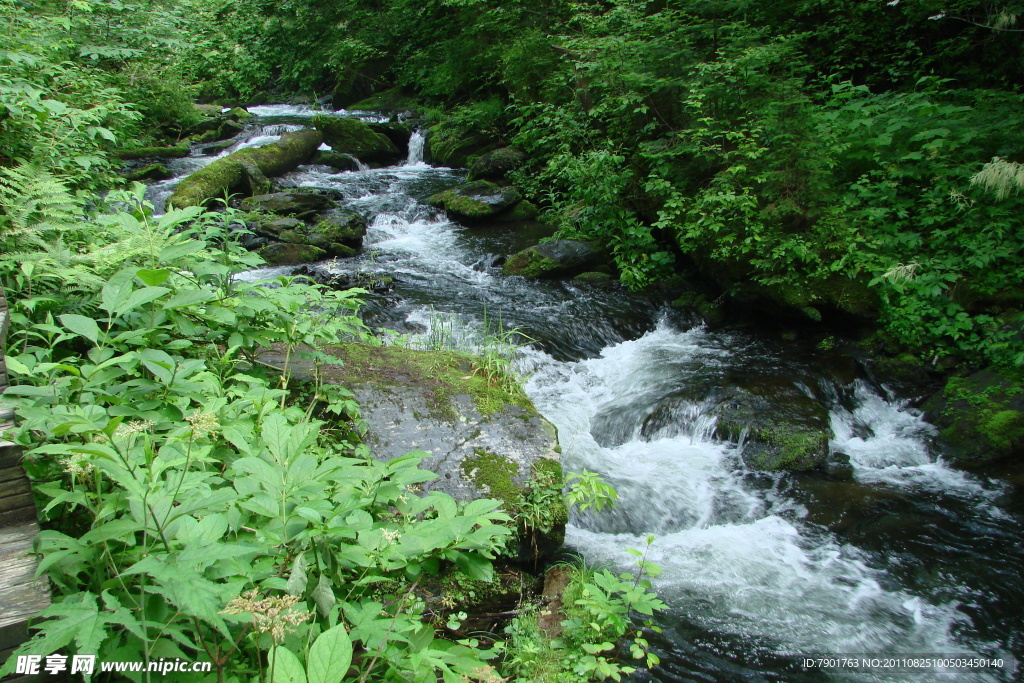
(124, 431)
(203, 423)
(390, 536)
(274, 615)
(78, 465)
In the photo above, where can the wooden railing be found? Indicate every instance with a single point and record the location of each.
(22, 596)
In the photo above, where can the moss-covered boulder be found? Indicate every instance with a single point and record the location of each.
(272, 227)
(175, 152)
(497, 164)
(338, 236)
(290, 254)
(482, 436)
(297, 202)
(784, 428)
(391, 100)
(556, 258)
(450, 146)
(352, 136)
(523, 210)
(150, 172)
(980, 417)
(208, 110)
(475, 201)
(398, 133)
(231, 174)
(336, 160)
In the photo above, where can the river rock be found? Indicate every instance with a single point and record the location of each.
(297, 203)
(336, 160)
(980, 417)
(352, 136)
(398, 133)
(393, 100)
(273, 227)
(338, 236)
(523, 210)
(554, 259)
(482, 440)
(475, 201)
(150, 172)
(229, 174)
(449, 146)
(290, 254)
(785, 428)
(497, 164)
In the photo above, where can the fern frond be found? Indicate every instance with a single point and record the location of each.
(34, 200)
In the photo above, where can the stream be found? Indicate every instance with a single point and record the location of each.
(894, 555)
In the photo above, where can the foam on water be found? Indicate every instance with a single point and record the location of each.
(888, 442)
(736, 559)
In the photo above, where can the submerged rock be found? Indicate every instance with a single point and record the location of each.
(980, 417)
(783, 428)
(230, 174)
(475, 201)
(554, 259)
(352, 136)
(336, 160)
(482, 436)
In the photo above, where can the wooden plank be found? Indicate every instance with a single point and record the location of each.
(22, 595)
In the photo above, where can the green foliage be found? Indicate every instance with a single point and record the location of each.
(598, 633)
(194, 509)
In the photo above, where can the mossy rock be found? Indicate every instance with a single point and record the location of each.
(230, 173)
(289, 254)
(475, 201)
(151, 172)
(980, 417)
(523, 210)
(457, 149)
(338, 236)
(497, 164)
(289, 203)
(905, 367)
(273, 227)
(483, 438)
(556, 258)
(347, 229)
(593, 278)
(398, 133)
(239, 114)
(698, 302)
(785, 429)
(216, 147)
(208, 110)
(336, 160)
(176, 152)
(391, 100)
(352, 136)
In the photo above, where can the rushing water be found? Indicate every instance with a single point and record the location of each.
(894, 554)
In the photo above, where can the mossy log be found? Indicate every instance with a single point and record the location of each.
(230, 175)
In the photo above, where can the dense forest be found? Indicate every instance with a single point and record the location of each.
(853, 167)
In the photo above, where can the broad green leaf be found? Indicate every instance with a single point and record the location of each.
(189, 297)
(82, 326)
(297, 580)
(323, 595)
(286, 666)
(153, 278)
(140, 297)
(330, 656)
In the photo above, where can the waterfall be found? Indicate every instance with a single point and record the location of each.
(416, 141)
